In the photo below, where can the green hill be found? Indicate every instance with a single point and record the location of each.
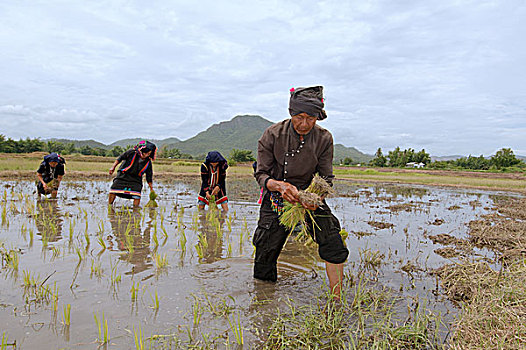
(341, 152)
(82, 143)
(242, 132)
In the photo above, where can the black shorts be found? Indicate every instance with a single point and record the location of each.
(270, 237)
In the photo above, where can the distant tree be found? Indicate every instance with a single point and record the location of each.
(347, 161)
(86, 150)
(240, 156)
(115, 151)
(399, 158)
(174, 153)
(504, 158)
(379, 159)
(69, 148)
(422, 157)
(54, 146)
(473, 163)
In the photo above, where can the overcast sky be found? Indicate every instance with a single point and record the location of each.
(447, 76)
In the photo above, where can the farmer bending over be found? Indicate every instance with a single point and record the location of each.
(50, 173)
(135, 163)
(213, 181)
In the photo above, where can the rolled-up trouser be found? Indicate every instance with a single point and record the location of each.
(270, 237)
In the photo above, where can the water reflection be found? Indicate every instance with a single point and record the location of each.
(211, 233)
(131, 239)
(48, 220)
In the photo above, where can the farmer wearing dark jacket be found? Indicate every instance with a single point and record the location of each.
(213, 181)
(290, 153)
(50, 173)
(136, 162)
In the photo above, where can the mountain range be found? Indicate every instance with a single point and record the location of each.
(241, 132)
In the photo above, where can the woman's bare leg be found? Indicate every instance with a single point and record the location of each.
(335, 274)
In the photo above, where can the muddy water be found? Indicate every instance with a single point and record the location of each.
(192, 270)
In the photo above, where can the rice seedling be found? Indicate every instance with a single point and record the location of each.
(4, 215)
(56, 253)
(161, 262)
(31, 237)
(54, 299)
(23, 231)
(370, 260)
(79, 254)
(96, 269)
(4, 343)
(102, 243)
(237, 329)
(229, 249)
(219, 309)
(87, 238)
(155, 301)
(138, 338)
(115, 277)
(229, 223)
(66, 315)
(101, 227)
(199, 251)
(102, 327)
(155, 239)
(29, 281)
(196, 311)
(195, 221)
(152, 203)
(134, 291)
(129, 242)
(165, 234)
(182, 241)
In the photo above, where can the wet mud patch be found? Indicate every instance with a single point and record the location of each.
(379, 225)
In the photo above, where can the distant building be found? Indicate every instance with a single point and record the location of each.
(415, 165)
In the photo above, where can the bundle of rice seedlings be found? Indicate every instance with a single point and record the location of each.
(51, 185)
(319, 186)
(294, 215)
(152, 203)
(212, 202)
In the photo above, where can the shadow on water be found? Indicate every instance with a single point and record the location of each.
(48, 221)
(131, 239)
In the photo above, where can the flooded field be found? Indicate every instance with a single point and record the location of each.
(78, 275)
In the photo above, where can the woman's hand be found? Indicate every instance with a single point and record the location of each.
(207, 195)
(112, 169)
(288, 191)
(215, 191)
(310, 207)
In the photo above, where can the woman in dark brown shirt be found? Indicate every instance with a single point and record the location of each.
(290, 153)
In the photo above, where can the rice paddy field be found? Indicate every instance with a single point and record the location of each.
(423, 264)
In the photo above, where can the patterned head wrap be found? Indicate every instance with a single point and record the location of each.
(53, 157)
(216, 157)
(146, 146)
(307, 100)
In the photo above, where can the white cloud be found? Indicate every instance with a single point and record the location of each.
(446, 76)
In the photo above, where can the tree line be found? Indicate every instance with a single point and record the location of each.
(8, 145)
(502, 159)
